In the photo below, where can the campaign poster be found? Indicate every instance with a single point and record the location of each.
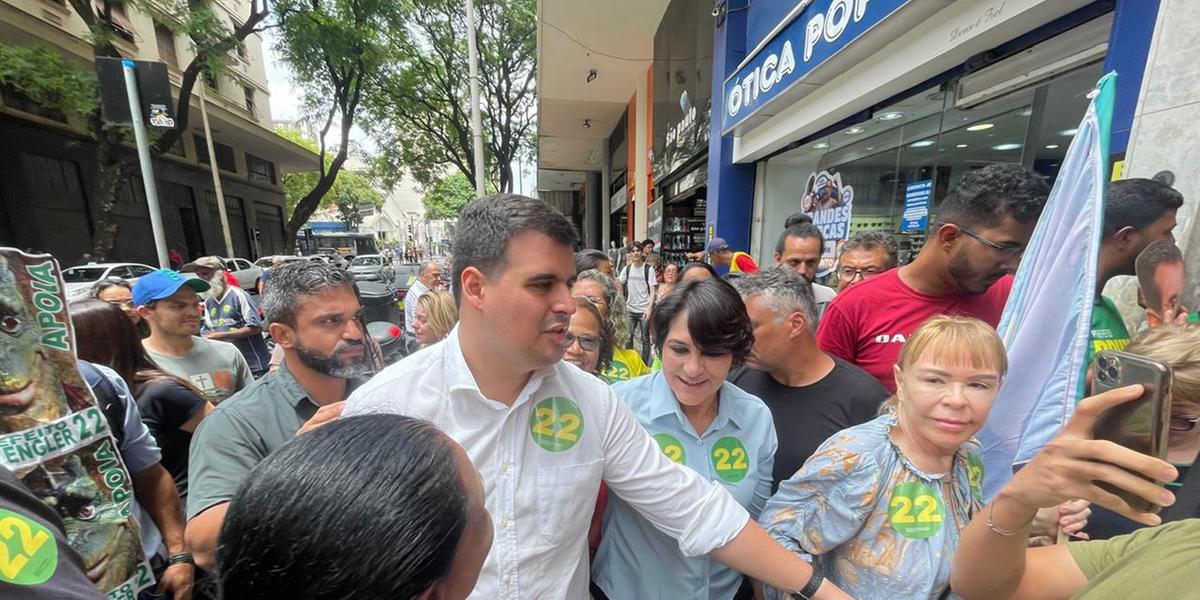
(55, 438)
(829, 203)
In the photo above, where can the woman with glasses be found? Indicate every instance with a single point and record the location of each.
(880, 505)
(589, 342)
(670, 277)
(119, 292)
(601, 290)
(701, 421)
(1178, 348)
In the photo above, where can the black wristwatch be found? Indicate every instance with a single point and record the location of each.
(810, 590)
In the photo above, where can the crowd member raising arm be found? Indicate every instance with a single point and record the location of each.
(1157, 562)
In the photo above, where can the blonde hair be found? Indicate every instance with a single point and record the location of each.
(440, 311)
(1178, 348)
(953, 340)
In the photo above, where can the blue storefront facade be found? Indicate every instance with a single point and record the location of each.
(864, 113)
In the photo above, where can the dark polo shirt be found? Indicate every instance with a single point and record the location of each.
(244, 430)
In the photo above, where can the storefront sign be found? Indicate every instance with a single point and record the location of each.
(617, 201)
(682, 88)
(818, 33)
(916, 205)
(654, 223)
(829, 203)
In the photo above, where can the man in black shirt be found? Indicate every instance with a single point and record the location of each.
(812, 395)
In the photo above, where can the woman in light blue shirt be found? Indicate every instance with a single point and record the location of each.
(699, 420)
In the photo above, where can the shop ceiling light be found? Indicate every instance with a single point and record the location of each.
(890, 116)
(922, 143)
(821, 145)
(980, 127)
(960, 145)
(1068, 132)
(1051, 146)
(854, 130)
(1003, 147)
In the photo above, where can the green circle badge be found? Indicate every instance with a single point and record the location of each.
(619, 371)
(730, 460)
(556, 424)
(915, 511)
(975, 476)
(671, 447)
(30, 554)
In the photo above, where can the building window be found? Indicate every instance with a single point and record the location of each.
(210, 79)
(260, 170)
(248, 93)
(113, 12)
(225, 156)
(166, 44)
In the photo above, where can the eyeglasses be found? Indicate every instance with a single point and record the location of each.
(593, 300)
(850, 273)
(121, 303)
(1182, 423)
(1003, 251)
(587, 342)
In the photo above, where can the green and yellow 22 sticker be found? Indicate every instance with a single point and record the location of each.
(671, 447)
(28, 552)
(556, 424)
(975, 476)
(730, 460)
(915, 510)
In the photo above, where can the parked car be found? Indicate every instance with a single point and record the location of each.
(79, 280)
(245, 272)
(372, 267)
(266, 261)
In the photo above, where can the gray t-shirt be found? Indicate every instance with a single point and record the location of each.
(217, 368)
(639, 280)
(243, 431)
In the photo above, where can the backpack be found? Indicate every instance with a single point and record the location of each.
(645, 271)
(108, 399)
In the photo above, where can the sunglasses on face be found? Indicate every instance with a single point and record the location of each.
(587, 342)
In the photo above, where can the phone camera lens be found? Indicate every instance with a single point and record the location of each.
(1102, 363)
(1111, 373)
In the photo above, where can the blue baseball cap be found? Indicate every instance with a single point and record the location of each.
(161, 284)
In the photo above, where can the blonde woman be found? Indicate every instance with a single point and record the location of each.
(435, 316)
(601, 290)
(880, 505)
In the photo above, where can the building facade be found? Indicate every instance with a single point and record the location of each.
(47, 188)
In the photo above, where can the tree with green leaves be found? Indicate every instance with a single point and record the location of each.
(336, 50)
(421, 112)
(349, 192)
(63, 91)
(448, 196)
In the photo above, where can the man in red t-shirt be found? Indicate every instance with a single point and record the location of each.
(964, 268)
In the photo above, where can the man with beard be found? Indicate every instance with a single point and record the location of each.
(315, 317)
(544, 434)
(964, 268)
(230, 314)
(812, 395)
(800, 247)
(170, 304)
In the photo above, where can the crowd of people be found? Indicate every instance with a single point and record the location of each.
(576, 424)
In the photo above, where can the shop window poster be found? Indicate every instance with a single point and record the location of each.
(829, 203)
(55, 438)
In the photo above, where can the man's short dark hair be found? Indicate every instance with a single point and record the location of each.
(1137, 203)
(647, 243)
(985, 196)
(288, 283)
(796, 219)
(716, 318)
(589, 259)
(799, 231)
(874, 240)
(487, 224)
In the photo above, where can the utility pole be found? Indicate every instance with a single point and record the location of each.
(476, 117)
(143, 147)
(216, 177)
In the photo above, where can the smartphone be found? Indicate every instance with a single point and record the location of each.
(1142, 425)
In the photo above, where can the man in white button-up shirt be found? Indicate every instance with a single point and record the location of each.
(544, 434)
